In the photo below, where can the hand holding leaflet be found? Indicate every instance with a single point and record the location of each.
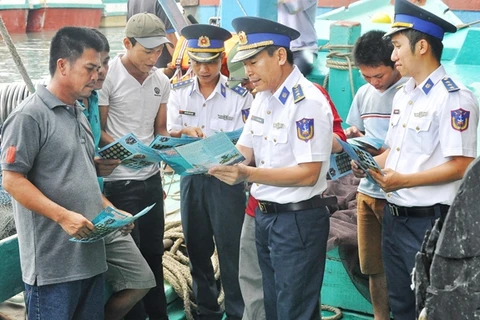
(108, 221)
(131, 151)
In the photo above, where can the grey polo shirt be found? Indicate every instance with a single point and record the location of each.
(52, 145)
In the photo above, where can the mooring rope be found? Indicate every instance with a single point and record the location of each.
(337, 313)
(341, 60)
(176, 269)
(16, 57)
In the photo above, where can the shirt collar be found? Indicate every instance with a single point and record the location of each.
(284, 92)
(220, 88)
(50, 100)
(428, 83)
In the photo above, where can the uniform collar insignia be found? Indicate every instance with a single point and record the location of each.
(427, 86)
(223, 90)
(284, 95)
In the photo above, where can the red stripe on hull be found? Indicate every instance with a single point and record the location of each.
(15, 20)
(51, 19)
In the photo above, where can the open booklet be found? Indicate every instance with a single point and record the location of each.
(108, 221)
(199, 156)
(362, 158)
(186, 155)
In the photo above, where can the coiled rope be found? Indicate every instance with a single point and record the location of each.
(176, 267)
(11, 95)
(337, 313)
(341, 60)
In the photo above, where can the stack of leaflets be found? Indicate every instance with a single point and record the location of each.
(185, 155)
(108, 221)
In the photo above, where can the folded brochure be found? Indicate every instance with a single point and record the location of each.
(108, 221)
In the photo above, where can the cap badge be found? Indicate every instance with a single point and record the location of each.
(242, 38)
(204, 42)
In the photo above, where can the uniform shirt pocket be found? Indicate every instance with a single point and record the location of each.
(420, 136)
(222, 123)
(278, 139)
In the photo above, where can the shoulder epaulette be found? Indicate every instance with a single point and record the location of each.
(450, 85)
(240, 90)
(182, 84)
(298, 94)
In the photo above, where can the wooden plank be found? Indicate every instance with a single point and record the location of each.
(11, 275)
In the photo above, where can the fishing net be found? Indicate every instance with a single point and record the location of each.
(7, 224)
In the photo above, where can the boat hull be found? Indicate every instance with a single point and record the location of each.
(15, 20)
(51, 19)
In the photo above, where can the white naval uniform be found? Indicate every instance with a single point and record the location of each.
(211, 209)
(224, 110)
(422, 135)
(271, 131)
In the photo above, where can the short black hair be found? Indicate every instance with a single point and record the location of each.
(271, 49)
(70, 42)
(132, 40)
(414, 36)
(373, 50)
(106, 45)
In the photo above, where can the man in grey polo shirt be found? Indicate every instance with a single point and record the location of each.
(48, 168)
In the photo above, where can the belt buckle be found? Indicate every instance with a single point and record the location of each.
(262, 207)
(393, 210)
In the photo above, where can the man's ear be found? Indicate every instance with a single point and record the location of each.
(423, 46)
(62, 64)
(281, 55)
(127, 44)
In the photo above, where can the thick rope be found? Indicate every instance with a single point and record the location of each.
(16, 57)
(339, 60)
(176, 267)
(337, 313)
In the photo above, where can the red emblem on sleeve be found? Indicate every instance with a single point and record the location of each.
(11, 153)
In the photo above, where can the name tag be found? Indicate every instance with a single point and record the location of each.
(257, 119)
(187, 113)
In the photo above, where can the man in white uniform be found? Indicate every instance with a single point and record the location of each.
(289, 134)
(212, 211)
(432, 139)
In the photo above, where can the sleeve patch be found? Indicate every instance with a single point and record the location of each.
(305, 129)
(11, 154)
(460, 119)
